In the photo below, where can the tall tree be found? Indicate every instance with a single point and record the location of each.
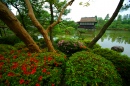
(12, 22)
(55, 7)
(104, 28)
(107, 17)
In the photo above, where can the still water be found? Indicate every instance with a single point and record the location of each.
(116, 38)
(109, 39)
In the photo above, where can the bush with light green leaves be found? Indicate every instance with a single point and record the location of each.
(87, 69)
(121, 62)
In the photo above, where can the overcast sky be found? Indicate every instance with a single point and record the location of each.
(99, 8)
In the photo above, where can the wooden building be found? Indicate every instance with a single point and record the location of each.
(87, 22)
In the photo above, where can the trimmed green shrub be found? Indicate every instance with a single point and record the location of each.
(31, 69)
(88, 69)
(69, 47)
(121, 62)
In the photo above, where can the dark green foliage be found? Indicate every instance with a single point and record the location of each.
(121, 23)
(69, 47)
(121, 62)
(6, 48)
(88, 69)
(41, 42)
(10, 39)
(20, 45)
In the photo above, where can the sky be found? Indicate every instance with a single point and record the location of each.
(99, 8)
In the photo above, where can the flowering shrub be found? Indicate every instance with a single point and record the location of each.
(69, 47)
(88, 69)
(121, 62)
(31, 69)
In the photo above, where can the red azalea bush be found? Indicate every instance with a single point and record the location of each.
(32, 69)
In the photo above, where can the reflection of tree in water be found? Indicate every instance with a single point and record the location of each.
(118, 36)
(114, 36)
(104, 37)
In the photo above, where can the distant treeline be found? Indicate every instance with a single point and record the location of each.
(121, 22)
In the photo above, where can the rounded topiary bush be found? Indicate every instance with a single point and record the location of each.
(87, 69)
(121, 62)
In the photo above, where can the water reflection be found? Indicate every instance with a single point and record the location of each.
(119, 38)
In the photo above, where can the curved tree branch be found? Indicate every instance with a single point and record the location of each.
(59, 18)
(104, 28)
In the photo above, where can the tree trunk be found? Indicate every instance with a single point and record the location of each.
(13, 23)
(39, 26)
(104, 28)
(52, 20)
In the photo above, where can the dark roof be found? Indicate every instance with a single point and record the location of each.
(88, 19)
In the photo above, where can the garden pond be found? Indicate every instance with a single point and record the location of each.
(109, 39)
(112, 38)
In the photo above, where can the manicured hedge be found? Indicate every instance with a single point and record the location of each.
(88, 69)
(121, 62)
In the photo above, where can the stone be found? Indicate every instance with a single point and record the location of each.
(117, 48)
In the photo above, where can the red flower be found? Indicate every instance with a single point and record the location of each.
(1, 64)
(45, 58)
(19, 51)
(21, 81)
(27, 82)
(56, 64)
(15, 65)
(33, 70)
(0, 76)
(15, 57)
(44, 70)
(53, 84)
(29, 54)
(26, 72)
(2, 57)
(24, 67)
(11, 74)
(65, 57)
(33, 60)
(37, 84)
(48, 73)
(50, 58)
(40, 78)
(7, 83)
(11, 52)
